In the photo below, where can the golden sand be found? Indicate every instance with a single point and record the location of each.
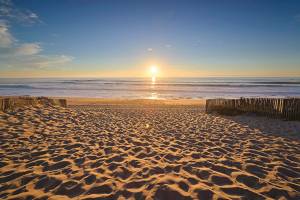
(119, 149)
(106, 101)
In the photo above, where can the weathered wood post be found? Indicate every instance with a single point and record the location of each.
(1, 104)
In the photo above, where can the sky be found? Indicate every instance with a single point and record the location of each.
(184, 38)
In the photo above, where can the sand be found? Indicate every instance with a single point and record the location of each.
(146, 151)
(122, 101)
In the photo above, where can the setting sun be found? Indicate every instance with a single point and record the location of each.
(153, 70)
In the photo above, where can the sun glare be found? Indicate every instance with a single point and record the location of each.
(153, 71)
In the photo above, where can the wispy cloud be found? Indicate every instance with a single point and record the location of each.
(23, 55)
(37, 61)
(28, 49)
(10, 47)
(10, 12)
(6, 38)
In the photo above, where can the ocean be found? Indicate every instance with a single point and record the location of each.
(144, 88)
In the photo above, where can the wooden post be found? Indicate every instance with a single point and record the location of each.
(1, 104)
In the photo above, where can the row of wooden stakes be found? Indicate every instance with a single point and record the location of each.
(285, 108)
(12, 103)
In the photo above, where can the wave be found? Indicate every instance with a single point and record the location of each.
(146, 90)
(181, 87)
(250, 81)
(211, 84)
(16, 86)
(104, 86)
(141, 82)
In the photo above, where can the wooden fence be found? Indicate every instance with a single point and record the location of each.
(10, 103)
(286, 108)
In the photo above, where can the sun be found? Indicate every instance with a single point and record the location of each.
(153, 70)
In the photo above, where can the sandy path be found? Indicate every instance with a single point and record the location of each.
(146, 152)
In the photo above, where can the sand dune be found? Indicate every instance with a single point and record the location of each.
(146, 152)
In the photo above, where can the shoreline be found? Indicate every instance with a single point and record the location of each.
(121, 101)
(126, 101)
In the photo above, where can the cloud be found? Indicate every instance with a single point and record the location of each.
(44, 61)
(9, 11)
(28, 49)
(37, 61)
(6, 38)
(149, 49)
(25, 55)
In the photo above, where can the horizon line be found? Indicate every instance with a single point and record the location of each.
(158, 77)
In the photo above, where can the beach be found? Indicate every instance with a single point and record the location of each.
(145, 149)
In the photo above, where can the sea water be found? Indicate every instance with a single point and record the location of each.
(145, 88)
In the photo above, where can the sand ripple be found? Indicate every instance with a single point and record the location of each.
(146, 152)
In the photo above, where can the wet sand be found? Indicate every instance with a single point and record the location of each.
(124, 150)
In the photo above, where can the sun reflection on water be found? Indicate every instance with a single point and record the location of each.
(153, 80)
(153, 95)
(153, 71)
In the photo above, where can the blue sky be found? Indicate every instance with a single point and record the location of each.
(123, 38)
